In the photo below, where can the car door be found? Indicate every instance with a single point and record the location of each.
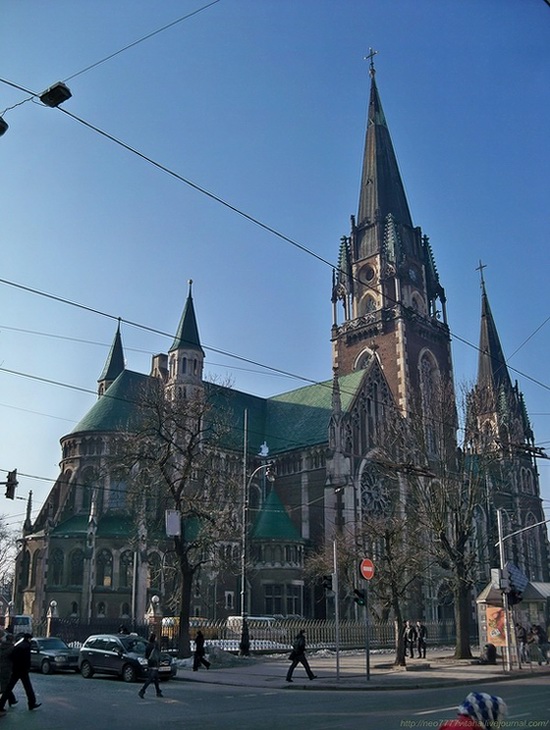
(94, 652)
(113, 655)
(35, 654)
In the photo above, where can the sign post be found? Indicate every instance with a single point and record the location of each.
(366, 568)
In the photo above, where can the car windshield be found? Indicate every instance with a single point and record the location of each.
(134, 644)
(52, 644)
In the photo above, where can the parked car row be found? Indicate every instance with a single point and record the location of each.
(119, 654)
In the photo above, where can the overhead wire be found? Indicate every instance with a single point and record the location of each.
(221, 201)
(252, 219)
(142, 39)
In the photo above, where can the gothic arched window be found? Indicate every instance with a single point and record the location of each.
(104, 569)
(126, 571)
(55, 570)
(25, 569)
(430, 392)
(76, 575)
(117, 493)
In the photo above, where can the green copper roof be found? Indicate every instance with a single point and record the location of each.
(301, 417)
(187, 335)
(288, 421)
(273, 522)
(118, 408)
(109, 525)
(73, 527)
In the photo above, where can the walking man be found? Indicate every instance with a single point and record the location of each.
(298, 655)
(21, 664)
(410, 636)
(152, 653)
(421, 634)
(198, 657)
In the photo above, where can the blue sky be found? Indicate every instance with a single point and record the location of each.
(262, 103)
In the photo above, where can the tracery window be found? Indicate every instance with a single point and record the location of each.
(126, 571)
(55, 570)
(104, 569)
(429, 388)
(76, 575)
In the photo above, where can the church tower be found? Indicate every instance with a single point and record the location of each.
(386, 280)
(498, 428)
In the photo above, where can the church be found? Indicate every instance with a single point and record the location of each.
(391, 343)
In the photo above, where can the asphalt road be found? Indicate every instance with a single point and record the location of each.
(69, 701)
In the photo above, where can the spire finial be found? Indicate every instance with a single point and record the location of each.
(480, 269)
(190, 282)
(372, 53)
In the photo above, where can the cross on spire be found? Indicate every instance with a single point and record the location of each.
(371, 54)
(480, 269)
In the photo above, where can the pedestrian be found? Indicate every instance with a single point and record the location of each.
(21, 664)
(543, 642)
(479, 711)
(535, 654)
(298, 656)
(6, 650)
(410, 636)
(123, 629)
(521, 634)
(152, 654)
(422, 635)
(198, 656)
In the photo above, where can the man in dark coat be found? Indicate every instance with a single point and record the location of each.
(198, 657)
(298, 655)
(21, 664)
(410, 636)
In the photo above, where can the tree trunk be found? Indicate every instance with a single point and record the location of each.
(399, 638)
(462, 610)
(186, 576)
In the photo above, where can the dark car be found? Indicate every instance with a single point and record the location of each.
(120, 654)
(50, 654)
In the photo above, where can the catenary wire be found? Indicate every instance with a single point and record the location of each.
(140, 40)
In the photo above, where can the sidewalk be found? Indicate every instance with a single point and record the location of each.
(439, 669)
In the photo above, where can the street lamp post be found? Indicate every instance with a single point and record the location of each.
(244, 646)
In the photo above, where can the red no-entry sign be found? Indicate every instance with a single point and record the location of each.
(366, 568)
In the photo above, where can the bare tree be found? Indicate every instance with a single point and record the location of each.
(446, 496)
(8, 550)
(173, 461)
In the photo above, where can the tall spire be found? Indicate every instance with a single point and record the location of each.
(114, 364)
(492, 371)
(382, 190)
(187, 335)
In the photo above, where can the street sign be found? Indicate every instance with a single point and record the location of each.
(366, 568)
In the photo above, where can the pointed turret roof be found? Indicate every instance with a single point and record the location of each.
(114, 364)
(492, 371)
(382, 190)
(187, 335)
(273, 522)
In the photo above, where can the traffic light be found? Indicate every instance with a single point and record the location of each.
(327, 582)
(11, 483)
(360, 597)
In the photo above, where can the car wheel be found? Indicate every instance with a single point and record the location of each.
(46, 667)
(129, 673)
(86, 670)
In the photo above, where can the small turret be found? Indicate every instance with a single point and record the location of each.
(114, 364)
(186, 356)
